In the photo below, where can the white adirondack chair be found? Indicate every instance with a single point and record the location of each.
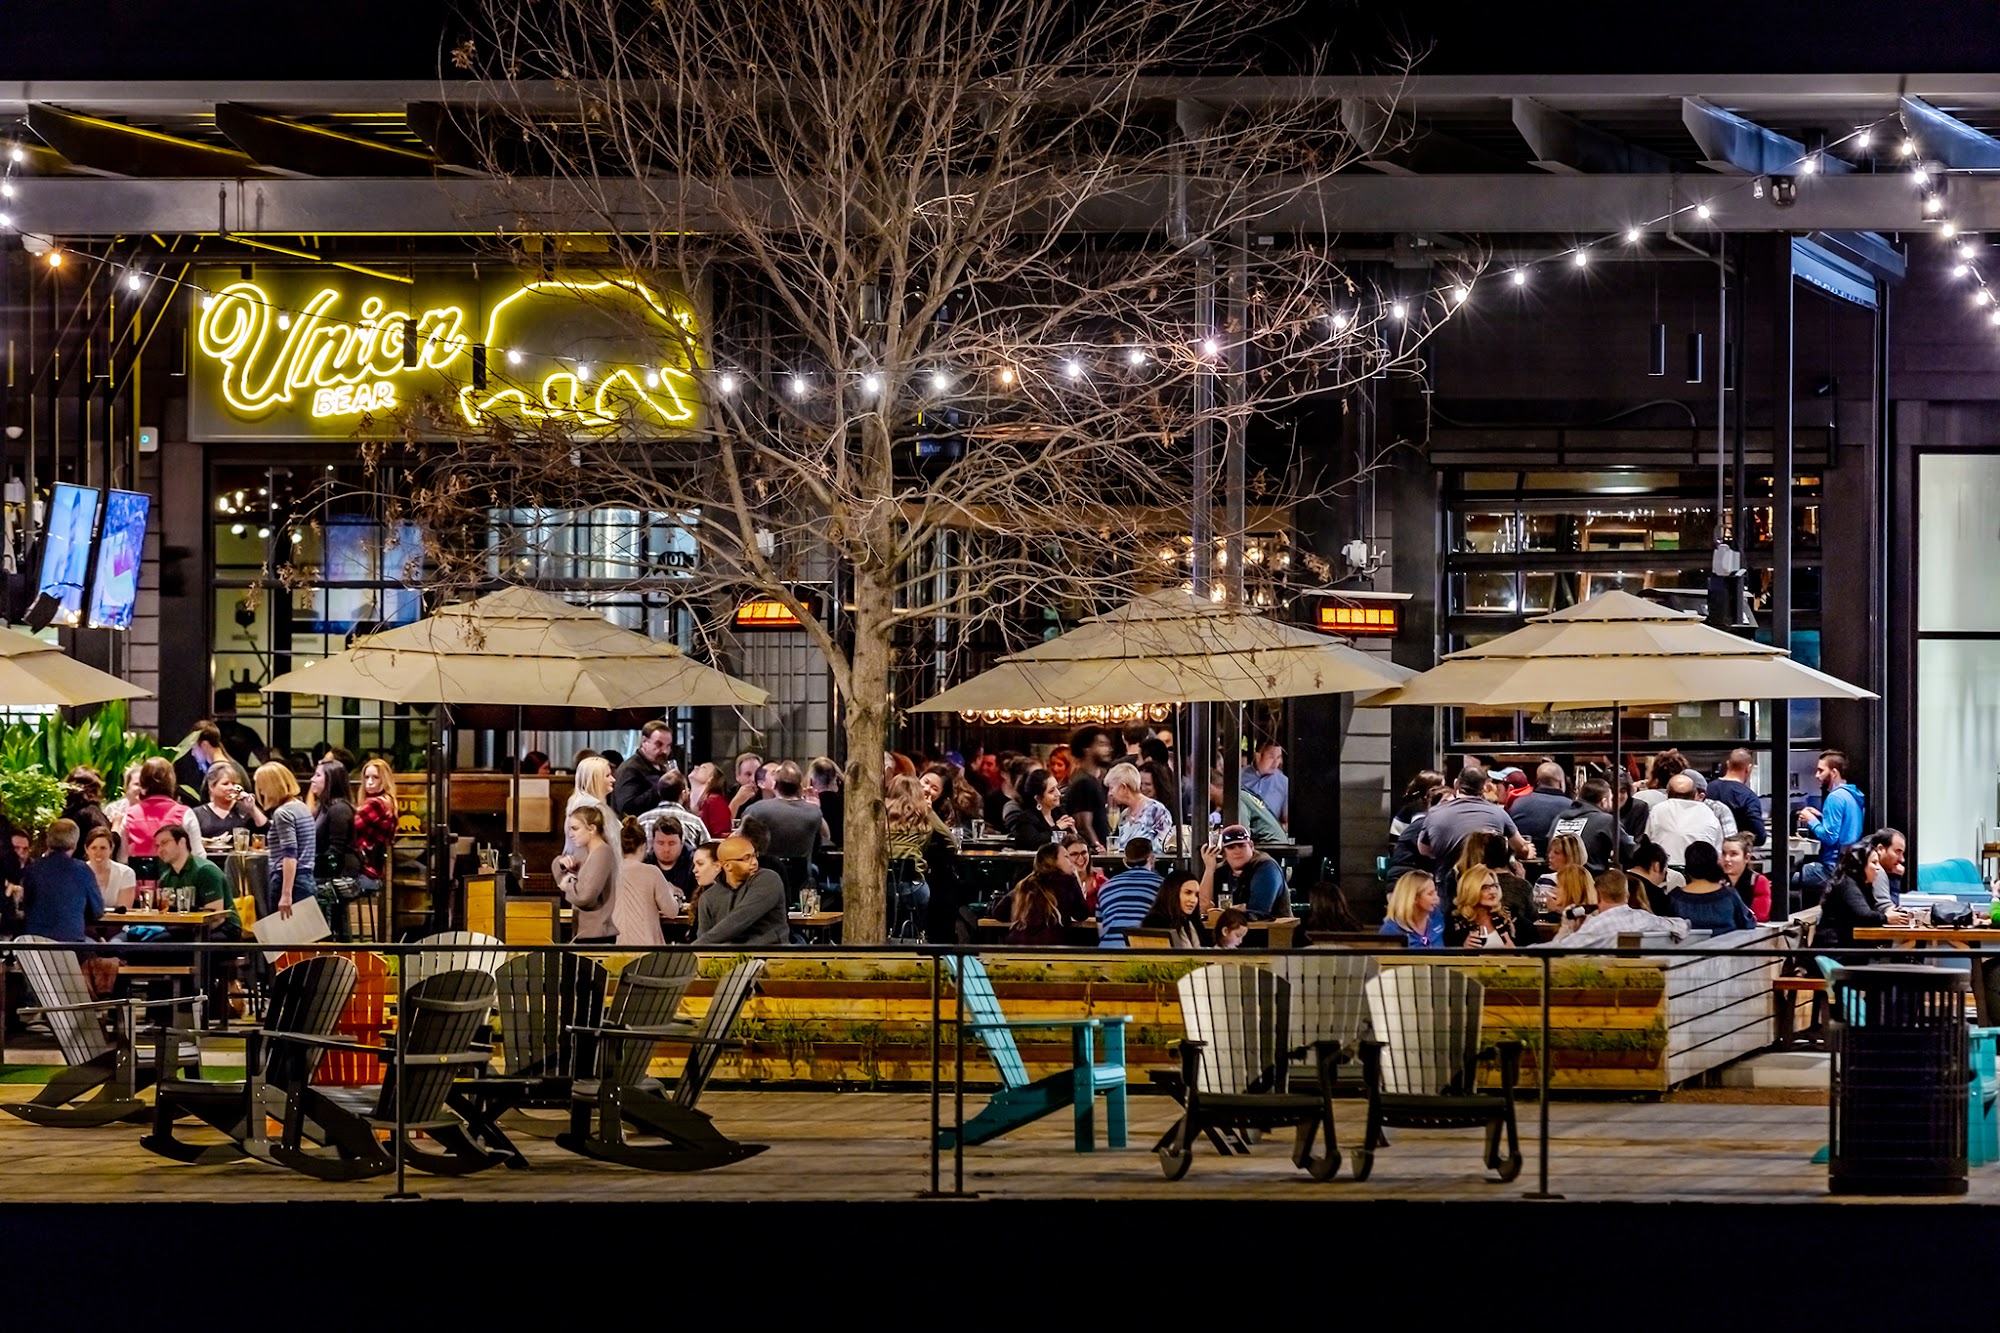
(1422, 1070)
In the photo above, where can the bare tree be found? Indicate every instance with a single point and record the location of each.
(958, 270)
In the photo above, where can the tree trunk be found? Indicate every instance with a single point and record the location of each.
(864, 875)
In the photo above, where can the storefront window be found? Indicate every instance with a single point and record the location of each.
(1958, 654)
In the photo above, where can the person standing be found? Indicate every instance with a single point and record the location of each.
(290, 841)
(588, 877)
(333, 820)
(707, 801)
(1733, 789)
(643, 896)
(823, 779)
(1838, 822)
(1264, 777)
(635, 788)
(593, 788)
(1468, 812)
(1083, 796)
(795, 825)
(155, 808)
(191, 769)
(748, 766)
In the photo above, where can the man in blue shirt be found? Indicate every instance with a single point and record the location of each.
(1733, 789)
(1839, 822)
(1252, 879)
(1125, 898)
(59, 894)
(1265, 779)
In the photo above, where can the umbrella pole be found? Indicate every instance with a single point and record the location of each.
(1617, 751)
(514, 821)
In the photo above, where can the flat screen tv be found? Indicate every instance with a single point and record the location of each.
(72, 520)
(119, 552)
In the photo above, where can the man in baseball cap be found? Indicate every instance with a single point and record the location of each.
(1252, 880)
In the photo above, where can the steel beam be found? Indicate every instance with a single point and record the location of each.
(1947, 139)
(1732, 143)
(1563, 143)
(1352, 203)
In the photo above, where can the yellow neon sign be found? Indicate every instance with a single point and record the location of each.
(319, 359)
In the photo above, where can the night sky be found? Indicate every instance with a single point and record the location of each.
(304, 39)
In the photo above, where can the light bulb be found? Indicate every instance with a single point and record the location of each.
(1994, 317)
(583, 372)
(1210, 347)
(1905, 148)
(236, 529)
(513, 357)
(1965, 250)
(1949, 228)
(1520, 277)
(1809, 166)
(297, 536)
(871, 384)
(1863, 140)
(55, 259)
(1398, 310)
(1982, 296)
(263, 532)
(1136, 357)
(1339, 320)
(652, 379)
(1921, 176)
(1073, 368)
(1960, 270)
(6, 189)
(1701, 211)
(284, 320)
(940, 381)
(134, 282)
(1581, 258)
(207, 300)
(6, 221)
(1459, 293)
(727, 384)
(798, 386)
(15, 154)
(1006, 374)
(1632, 235)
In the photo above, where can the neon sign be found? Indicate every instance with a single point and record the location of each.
(295, 355)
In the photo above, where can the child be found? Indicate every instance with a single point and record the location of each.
(1230, 927)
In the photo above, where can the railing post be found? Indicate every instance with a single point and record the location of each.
(958, 1087)
(1544, 1059)
(402, 1083)
(937, 991)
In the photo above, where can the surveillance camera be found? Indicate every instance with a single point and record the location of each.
(1784, 191)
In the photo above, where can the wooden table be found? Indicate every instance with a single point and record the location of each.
(201, 923)
(819, 924)
(1975, 940)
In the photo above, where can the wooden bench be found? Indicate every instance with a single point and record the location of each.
(1784, 993)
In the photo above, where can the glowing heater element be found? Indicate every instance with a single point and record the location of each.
(765, 613)
(1359, 620)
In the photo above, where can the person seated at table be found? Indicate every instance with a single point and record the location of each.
(1708, 901)
(58, 894)
(1076, 855)
(668, 852)
(1849, 906)
(1885, 883)
(918, 838)
(1479, 918)
(228, 806)
(1177, 910)
(1139, 815)
(748, 906)
(1042, 904)
(673, 807)
(1575, 897)
(84, 804)
(1754, 889)
(1565, 849)
(181, 868)
(1232, 925)
(1649, 877)
(1615, 916)
(1123, 899)
(1250, 877)
(115, 882)
(1497, 856)
(588, 876)
(1413, 912)
(643, 896)
(1048, 857)
(707, 860)
(1327, 910)
(1034, 821)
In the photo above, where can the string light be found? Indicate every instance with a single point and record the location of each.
(1520, 277)
(1632, 236)
(727, 383)
(1920, 176)
(1073, 368)
(1701, 211)
(1339, 319)
(1136, 357)
(1459, 293)
(940, 381)
(15, 155)
(1007, 376)
(133, 281)
(1398, 310)
(1581, 259)
(55, 259)
(6, 189)
(1906, 148)
(513, 357)
(798, 386)
(1209, 347)
(652, 379)
(1809, 166)
(583, 373)
(871, 384)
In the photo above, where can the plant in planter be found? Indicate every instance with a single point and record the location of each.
(30, 799)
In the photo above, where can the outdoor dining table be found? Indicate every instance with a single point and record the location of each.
(199, 924)
(1978, 942)
(817, 927)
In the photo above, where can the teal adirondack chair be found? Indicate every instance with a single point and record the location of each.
(1021, 1101)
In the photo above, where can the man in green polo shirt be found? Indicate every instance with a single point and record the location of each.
(181, 868)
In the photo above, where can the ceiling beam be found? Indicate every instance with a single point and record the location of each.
(106, 145)
(1562, 143)
(1352, 203)
(313, 150)
(1732, 144)
(1947, 139)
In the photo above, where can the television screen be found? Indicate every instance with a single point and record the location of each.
(66, 548)
(359, 551)
(118, 555)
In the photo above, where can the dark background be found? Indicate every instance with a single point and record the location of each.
(376, 39)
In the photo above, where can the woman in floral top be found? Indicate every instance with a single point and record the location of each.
(1140, 816)
(375, 820)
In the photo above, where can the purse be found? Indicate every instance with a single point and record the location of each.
(1951, 915)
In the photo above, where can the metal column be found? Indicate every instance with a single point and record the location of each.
(1783, 302)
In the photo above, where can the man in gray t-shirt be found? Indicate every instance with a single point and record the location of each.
(794, 824)
(1469, 812)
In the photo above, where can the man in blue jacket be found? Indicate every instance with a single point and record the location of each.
(59, 894)
(1840, 820)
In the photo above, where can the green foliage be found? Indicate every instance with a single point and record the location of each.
(31, 799)
(56, 745)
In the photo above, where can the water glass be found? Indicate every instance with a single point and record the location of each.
(978, 829)
(240, 839)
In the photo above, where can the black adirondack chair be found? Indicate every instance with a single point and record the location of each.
(622, 1094)
(544, 1000)
(443, 1018)
(99, 1040)
(1235, 1071)
(306, 997)
(1423, 1073)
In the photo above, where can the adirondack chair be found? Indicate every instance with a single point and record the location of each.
(1022, 1101)
(1422, 1072)
(362, 1021)
(1328, 1003)
(601, 1107)
(453, 951)
(543, 998)
(98, 1040)
(308, 998)
(1235, 1070)
(445, 1014)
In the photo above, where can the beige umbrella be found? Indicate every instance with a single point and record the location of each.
(34, 674)
(518, 648)
(1170, 647)
(1612, 651)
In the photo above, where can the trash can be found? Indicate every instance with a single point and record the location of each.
(1900, 1073)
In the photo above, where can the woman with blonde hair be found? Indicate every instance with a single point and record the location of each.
(593, 788)
(1565, 849)
(917, 837)
(1413, 912)
(289, 838)
(1478, 919)
(1575, 897)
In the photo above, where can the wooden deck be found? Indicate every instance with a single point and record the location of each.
(870, 1146)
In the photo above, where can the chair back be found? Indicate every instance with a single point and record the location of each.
(1148, 937)
(454, 951)
(307, 997)
(731, 994)
(649, 992)
(1428, 1021)
(541, 995)
(983, 1006)
(446, 1012)
(55, 977)
(1242, 1015)
(1328, 1001)
(362, 1019)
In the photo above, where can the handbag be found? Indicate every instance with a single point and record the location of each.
(1951, 915)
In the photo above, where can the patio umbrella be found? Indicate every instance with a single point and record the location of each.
(517, 648)
(34, 674)
(1170, 647)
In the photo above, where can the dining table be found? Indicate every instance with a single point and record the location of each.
(1979, 943)
(197, 925)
